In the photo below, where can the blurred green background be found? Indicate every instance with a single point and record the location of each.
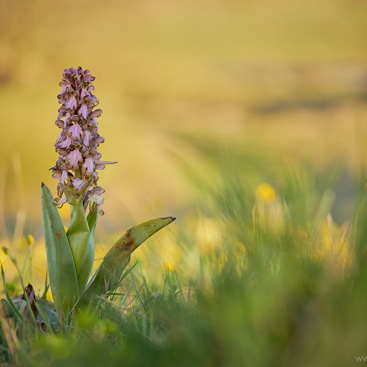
(192, 93)
(204, 102)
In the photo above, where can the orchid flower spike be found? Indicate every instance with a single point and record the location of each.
(79, 160)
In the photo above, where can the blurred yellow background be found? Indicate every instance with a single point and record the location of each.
(274, 79)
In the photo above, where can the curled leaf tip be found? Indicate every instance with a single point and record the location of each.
(111, 269)
(171, 219)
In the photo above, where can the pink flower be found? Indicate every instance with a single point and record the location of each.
(74, 158)
(79, 184)
(75, 131)
(88, 166)
(87, 137)
(83, 110)
(99, 140)
(56, 174)
(84, 93)
(96, 113)
(67, 116)
(60, 201)
(71, 103)
(65, 144)
(59, 123)
(98, 190)
(64, 176)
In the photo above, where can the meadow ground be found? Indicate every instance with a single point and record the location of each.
(247, 122)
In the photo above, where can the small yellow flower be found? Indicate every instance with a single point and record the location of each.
(49, 296)
(265, 193)
(30, 240)
(169, 266)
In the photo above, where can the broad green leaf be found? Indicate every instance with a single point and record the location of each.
(109, 273)
(61, 267)
(81, 240)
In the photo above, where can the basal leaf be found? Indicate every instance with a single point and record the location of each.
(109, 273)
(61, 268)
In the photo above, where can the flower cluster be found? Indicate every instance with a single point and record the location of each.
(79, 160)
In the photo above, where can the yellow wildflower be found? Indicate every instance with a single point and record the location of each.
(30, 240)
(169, 266)
(265, 193)
(49, 296)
